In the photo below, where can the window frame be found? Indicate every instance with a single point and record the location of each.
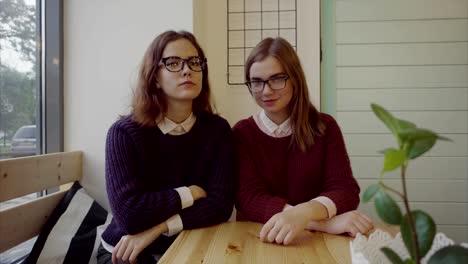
(50, 105)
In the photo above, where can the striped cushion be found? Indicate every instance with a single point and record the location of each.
(73, 232)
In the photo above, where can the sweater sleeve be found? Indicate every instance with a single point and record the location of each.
(134, 209)
(339, 184)
(218, 205)
(253, 200)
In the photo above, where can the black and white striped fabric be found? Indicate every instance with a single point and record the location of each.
(73, 232)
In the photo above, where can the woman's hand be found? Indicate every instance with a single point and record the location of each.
(352, 222)
(283, 227)
(130, 246)
(197, 192)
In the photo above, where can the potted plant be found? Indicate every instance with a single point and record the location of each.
(417, 228)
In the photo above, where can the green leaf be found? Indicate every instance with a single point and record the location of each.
(393, 159)
(410, 261)
(443, 138)
(385, 117)
(411, 134)
(370, 192)
(418, 141)
(391, 255)
(420, 146)
(387, 209)
(403, 124)
(425, 231)
(448, 255)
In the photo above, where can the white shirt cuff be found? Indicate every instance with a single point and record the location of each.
(174, 225)
(328, 203)
(186, 197)
(287, 207)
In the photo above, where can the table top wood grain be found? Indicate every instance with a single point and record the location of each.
(238, 242)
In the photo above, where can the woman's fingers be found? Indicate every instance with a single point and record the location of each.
(364, 223)
(121, 250)
(114, 253)
(367, 219)
(273, 232)
(128, 252)
(266, 229)
(290, 236)
(361, 227)
(281, 235)
(353, 230)
(134, 256)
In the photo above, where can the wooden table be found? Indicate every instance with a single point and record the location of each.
(238, 242)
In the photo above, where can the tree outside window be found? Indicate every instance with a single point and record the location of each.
(19, 77)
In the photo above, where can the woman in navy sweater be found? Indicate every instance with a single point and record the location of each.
(169, 163)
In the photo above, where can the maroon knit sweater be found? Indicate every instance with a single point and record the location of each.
(271, 173)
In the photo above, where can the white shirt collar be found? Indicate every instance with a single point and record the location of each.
(168, 126)
(281, 130)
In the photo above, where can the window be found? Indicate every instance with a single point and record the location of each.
(19, 77)
(31, 85)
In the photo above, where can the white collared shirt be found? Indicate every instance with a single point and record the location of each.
(168, 126)
(283, 130)
(270, 128)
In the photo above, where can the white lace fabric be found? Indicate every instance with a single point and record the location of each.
(366, 250)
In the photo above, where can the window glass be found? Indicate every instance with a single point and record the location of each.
(19, 78)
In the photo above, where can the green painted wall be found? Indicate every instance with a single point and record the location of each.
(328, 65)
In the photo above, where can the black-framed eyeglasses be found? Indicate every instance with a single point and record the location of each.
(275, 83)
(176, 64)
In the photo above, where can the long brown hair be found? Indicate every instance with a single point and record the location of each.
(149, 104)
(305, 119)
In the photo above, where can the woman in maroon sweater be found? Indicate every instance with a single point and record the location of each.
(293, 169)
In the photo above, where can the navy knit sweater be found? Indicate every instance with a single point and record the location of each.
(143, 166)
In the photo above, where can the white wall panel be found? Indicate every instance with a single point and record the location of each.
(452, 122)
(411, 57)
(402, 54)
(445, 168)
(443, 30)
(442, 213)
(403, 99)
(439, 76)
(364, 10)
(371, 144)
(425, 190)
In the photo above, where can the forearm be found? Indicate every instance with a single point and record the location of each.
(317, 226)
(140, 212)
(158, 229)
(215, 208)
(312, 210)
(135, 208)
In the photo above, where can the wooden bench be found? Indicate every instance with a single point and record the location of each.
(23, 176)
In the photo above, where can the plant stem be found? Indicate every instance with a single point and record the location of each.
(408, 212)
(392, 190)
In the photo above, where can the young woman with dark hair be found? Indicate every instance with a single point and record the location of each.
(168, 163)
(293, 170)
